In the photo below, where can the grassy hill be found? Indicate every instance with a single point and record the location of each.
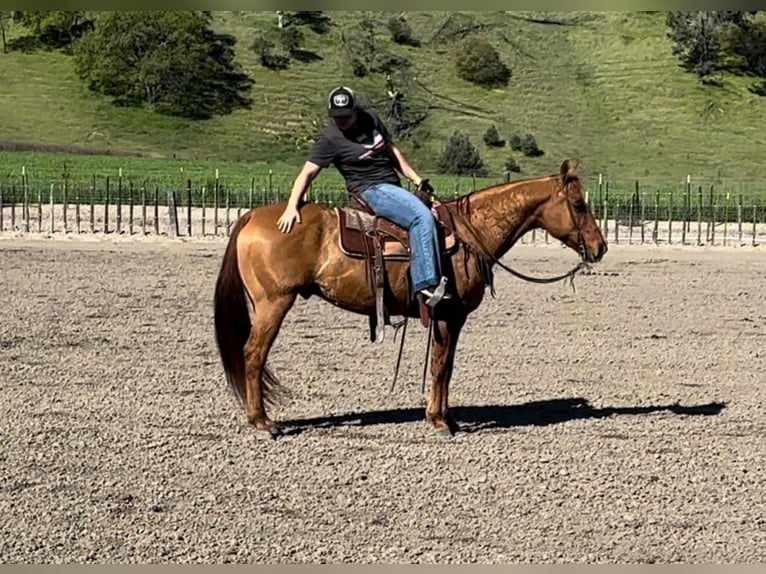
(601, 87)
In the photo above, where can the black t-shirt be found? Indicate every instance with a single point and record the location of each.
(362, 154)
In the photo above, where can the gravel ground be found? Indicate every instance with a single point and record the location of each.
(620, 423)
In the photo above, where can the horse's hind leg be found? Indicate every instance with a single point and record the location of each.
(261, 384)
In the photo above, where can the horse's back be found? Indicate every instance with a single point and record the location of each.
(295, 255)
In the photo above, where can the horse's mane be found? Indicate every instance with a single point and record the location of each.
(460, 207)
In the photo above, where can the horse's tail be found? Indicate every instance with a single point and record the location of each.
(232, 318)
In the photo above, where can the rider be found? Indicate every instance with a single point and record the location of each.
(358, 144)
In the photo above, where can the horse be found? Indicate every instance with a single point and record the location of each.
(264, 270)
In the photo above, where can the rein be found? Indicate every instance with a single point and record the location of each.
(485, 253)
(490, 259)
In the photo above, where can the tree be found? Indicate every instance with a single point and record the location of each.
(512, 165)
(401, 33)
(698, 37)
(171, 61)
(263, 46)
(526, 145)
(317, 21)
(460, 157)
(56, 29)
(478, 62)
(492, 138)
(291, 39)
(5, 19)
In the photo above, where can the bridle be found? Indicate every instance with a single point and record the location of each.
(486, 254)
(581, 250)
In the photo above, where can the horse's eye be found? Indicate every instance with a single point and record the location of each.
(580, 207)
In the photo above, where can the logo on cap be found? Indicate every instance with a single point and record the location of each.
(340, 100)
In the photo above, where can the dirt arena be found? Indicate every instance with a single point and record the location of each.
(623, 422)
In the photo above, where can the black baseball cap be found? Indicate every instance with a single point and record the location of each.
(341, 102)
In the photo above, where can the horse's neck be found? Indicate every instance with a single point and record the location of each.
(502, 214)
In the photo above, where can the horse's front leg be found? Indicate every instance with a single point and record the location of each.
(445, 335)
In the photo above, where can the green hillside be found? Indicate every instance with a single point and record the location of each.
(602, 87)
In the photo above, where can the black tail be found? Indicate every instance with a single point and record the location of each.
(232, 323)
(232, 319)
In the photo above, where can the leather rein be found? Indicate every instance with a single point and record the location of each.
(583, 263)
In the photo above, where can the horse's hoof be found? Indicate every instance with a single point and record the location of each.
(445, 432)
(270, 433)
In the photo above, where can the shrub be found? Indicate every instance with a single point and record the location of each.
(492, 138)
(264, 49)
(478, 62)
(460, 157)
(291, 39)
(401, 33)
(512, 165)
(358, 68)
(526, 145)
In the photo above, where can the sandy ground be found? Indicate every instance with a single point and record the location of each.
(623, 422)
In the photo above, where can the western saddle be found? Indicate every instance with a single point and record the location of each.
(375, 239)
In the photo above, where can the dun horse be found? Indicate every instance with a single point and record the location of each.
(264, 270)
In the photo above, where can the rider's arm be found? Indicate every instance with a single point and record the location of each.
(404, 166)
(301, 184)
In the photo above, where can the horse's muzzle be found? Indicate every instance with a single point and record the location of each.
(599, 254)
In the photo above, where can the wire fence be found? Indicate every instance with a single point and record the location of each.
(635, 214)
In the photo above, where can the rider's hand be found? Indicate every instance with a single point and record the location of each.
(289, 216)
(424, 192)
(425, 186)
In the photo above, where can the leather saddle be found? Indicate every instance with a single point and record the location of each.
(375, 239)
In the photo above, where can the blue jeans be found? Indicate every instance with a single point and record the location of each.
(406, 210)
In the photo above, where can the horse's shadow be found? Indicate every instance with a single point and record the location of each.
(476, 418)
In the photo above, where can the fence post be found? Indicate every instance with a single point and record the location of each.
(50, 200)
(670, 217)
(188, 207)
(739, 217)
(688, 203)
(130, 207)
(599, 201)
(203, 211)
(754, 226)
(119, 201)
(93, 204)
(228, 207)
(143, 209)
(13, 207)
(714, 214)
(39, 209)
(216, 190)
(156, 209)
(699, 215)
(77, 219)
(65, 200)
(252, 191)
(25, 207)
(711, 217)
(172, 213)
(685, 211)
(1, 208)
(635, 209)
(106, 207)
(726, 219)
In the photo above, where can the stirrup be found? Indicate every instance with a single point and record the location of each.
(439, 294)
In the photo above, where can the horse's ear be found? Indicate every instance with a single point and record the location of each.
(568, 171)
